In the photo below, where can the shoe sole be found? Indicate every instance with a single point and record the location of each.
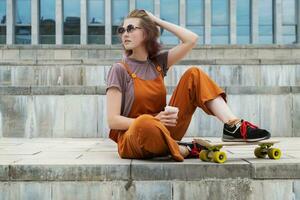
(242, 140)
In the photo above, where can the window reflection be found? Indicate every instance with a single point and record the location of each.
(2, 12)
(2, 34)
(23, 35)
(2, 21)
(195, 18)
(23, 22)
(289, 22)
(145, 4)
(265, 22)
(119, 12)
(71, 21)
(47, 21)
(243, 21)
(220, 22)
(169, 11)
(96, 22)
(96, 12)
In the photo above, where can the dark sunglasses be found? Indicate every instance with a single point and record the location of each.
(130, 28)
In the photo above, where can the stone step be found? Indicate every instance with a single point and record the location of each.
(67, 168)
(95, 75)
(100, 90)
(112, 52)
(95, 61)
(81, 111)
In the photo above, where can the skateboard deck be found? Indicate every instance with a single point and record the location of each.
(211, 151)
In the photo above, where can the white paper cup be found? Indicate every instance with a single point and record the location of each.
(171, 109)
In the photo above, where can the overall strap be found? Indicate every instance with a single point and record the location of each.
(158, 68)
(133, 75)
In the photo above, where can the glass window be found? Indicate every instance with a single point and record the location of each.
(289, 22)
(243, 21)
(96, 22)
(2, 11)
(266, 22)
(220, 22)
(119, 12)
(47, 21)
(195, 18)
(2, 21)
(2, 34)
(23, 22)
(145, 4)
(169, 11)
(71, 21)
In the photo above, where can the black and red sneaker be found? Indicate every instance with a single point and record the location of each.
(244, 131)
(193, 147)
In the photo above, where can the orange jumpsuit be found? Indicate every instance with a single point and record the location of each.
(147, 137)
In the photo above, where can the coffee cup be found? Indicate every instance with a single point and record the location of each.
(171, 109)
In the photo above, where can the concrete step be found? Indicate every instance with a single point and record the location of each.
(95, 75)
(100, 90)
(66, 168)
(81, 111)
(271, 53)
(193, 61)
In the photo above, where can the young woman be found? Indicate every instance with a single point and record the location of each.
(136, 94)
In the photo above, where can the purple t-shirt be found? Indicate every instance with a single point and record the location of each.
(118, 77)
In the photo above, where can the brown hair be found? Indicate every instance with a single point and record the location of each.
(151, 31)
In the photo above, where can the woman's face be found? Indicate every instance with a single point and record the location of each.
(135, 37)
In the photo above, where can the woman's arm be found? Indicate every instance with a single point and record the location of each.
(114, 118)
(187, 37)
(118, 122)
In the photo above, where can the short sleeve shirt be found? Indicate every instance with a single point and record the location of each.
(119, 78)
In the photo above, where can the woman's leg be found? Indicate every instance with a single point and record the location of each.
(220, 109)
(195, 89)
(147, 137)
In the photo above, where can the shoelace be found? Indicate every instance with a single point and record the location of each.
(195, 150)
(244, 126)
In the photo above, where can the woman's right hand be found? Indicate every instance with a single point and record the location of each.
(167, 118)
(153, 17)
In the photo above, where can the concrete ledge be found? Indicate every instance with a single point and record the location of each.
(84, 115)
(167, 46)
(213, 189)
(261, 89)
(100, 90)
(110, 61)
(267, 170)
(202, 54)
(189, 170)
(69, 172)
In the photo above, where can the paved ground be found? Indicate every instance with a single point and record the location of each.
(99, 150)
(91, 169)
(68, 158)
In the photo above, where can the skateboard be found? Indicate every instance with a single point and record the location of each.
(212, 153)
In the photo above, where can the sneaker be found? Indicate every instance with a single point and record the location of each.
(193, 147)
(244, 131)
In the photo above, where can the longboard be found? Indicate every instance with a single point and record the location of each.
(212, 153)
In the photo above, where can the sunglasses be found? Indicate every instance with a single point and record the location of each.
(130, 28)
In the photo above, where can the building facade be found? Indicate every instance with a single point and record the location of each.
(95, 21)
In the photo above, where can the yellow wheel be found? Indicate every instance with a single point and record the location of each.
(204, 155)
(258, 152)
(274, 153)
(219, 157)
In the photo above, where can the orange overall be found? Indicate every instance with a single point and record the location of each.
(147, 137)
